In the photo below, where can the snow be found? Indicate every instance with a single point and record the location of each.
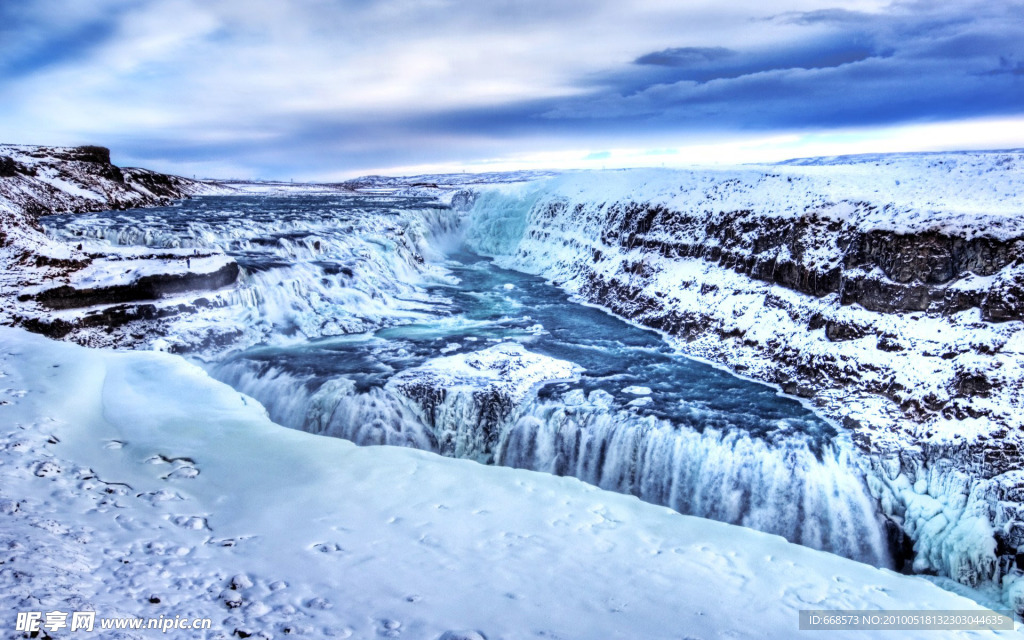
(637, 390)
(327, 270)
(506, 367)
(556, 229)
(965, 194)
(279, 531)
(120, 269)
(119, 416)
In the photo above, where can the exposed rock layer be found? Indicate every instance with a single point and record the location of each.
(42, 180)
(897, 314)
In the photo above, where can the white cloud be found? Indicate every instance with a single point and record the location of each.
(252, 76)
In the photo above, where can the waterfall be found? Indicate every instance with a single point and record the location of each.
(310, 267)
(816, 498)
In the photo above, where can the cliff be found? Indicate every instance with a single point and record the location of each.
(885, 290)
(41, 274)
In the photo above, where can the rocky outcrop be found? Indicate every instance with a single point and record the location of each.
(818, 255)
(467, 399)
(44, 275)
(148, 287)
(40, 180)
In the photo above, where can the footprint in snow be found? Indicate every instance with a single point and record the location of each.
(390, 628)
(318, 603)
(329, 547)
(163, 495)
(462, 635)
(186, 472)
(47, 469)
(191, 522)
(241, 582)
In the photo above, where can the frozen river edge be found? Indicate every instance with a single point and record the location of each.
(120, 498)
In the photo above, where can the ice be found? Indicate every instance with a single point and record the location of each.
(433, 545)
(637, 390)
(885, 378)
(483, 405)
(379, 264)
(322, 267)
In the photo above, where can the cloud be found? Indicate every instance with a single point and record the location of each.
(909, 63)
(684, 56)
(312, 86)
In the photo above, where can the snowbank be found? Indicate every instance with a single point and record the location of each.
(132, 484)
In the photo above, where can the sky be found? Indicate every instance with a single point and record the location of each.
(329, 89)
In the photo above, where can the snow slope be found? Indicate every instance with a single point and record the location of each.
(117, 496)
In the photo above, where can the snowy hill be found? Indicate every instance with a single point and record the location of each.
(37, 180)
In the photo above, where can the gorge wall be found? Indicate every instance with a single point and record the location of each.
(42, 275)
(887, 291)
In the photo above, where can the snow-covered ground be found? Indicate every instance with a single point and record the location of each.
(886, 290)
(117, 496)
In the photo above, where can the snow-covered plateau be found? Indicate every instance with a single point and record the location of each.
(462, 315)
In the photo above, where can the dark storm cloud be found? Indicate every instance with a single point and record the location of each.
(684, 56)
(913, 62)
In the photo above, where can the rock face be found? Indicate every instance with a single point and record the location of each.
(147, 287)
(466, 399)
(44, 275)
(39, 180)
(886, 290)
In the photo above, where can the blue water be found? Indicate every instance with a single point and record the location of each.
(703, 442)
(614, 354)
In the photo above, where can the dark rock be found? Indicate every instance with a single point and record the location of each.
(90, 153)
(957, 300)
(838, 331)
(972, 384)
(8, 167)
(901, 547)
(930, 257)
(1005, 299)
(889, 344)
(151, 287)
(878, 294)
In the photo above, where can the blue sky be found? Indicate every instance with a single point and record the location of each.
(322, 89)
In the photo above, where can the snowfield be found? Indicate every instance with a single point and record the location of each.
(118, 496)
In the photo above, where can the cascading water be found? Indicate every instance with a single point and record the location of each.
(319, 273)
(310, 266)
